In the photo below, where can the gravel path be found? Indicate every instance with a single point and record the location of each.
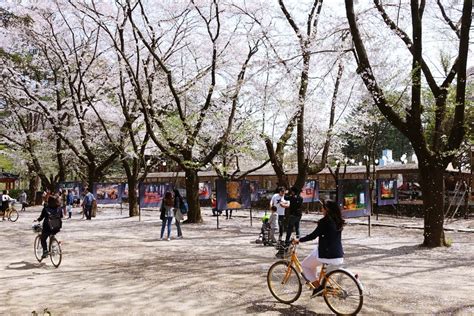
(115, 265)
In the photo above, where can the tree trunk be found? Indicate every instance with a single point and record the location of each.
(33, 187)
(432, 187)
(132, 180)
(192, 196)
(132, 197)
(91, 176)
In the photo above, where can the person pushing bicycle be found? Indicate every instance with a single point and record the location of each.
(329, 249)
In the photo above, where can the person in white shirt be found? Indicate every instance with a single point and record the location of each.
(22, 200)
(278, 200)
(5, 203)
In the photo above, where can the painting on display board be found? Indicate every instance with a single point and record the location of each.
(152, 194)
(353, 197)
(76, 187)
(205, 190)
(124, 191)
(108, 193)
(310, 191)
(387, 192)
(232, 195)
(254, 192)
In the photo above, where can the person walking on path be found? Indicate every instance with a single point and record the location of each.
(329, 249)
(166, 214)
(273, 222)
(23, 200)
(215, 211)
(278, 200)
(178, 215)
(87, 203)
(295, 213)
(69, 202)
(64, 201)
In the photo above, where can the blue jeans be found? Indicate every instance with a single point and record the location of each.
(164, 223)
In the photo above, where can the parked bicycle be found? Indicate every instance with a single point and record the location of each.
(343, 291)
(11, 213)
(54, 249)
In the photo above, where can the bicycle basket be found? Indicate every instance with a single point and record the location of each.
(36, 228)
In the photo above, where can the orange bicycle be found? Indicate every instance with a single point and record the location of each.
(343, 292)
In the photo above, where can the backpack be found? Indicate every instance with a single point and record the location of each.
(183, 207)
(54, 220)
(88, 199)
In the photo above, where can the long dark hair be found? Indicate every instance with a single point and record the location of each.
(53, 201)
(334, 212)
(168, 199)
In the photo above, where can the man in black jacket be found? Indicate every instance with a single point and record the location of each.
(295, 213)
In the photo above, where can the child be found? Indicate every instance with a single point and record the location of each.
(273, 222)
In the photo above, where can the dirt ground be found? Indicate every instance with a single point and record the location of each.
(115, 265)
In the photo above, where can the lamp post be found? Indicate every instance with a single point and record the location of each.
(374, 177)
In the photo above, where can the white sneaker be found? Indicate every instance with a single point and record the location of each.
(169, 239)
(179, 237)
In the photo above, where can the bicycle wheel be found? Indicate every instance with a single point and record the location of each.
(38, 249)
(13, 215)
(55, 252)
(342, 293)
(284, 282)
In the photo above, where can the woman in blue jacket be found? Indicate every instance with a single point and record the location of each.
(329, 248)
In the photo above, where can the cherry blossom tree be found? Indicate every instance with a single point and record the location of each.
(436, 152)
(188, 84)
(71, 92)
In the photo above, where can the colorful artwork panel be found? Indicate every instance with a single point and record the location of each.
(151, 194)
(387, 193)
(205, 190)
(108, 193)
(254, 191)
(310, 191)
(353, 198)
(232, 195)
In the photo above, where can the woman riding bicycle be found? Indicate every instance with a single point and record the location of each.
(5, 203)
(329, 248)
(52, 207)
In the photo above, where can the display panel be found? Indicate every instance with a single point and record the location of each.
(151, 194)
(76, 187)
(310, 191)
(387, 193)
(232, 195)
(353, 197)
(205, 190)
(108, 193)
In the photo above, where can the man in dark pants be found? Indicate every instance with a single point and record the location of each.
(295, 213)
(87, 204)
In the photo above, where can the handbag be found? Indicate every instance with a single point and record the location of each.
(178, 215)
